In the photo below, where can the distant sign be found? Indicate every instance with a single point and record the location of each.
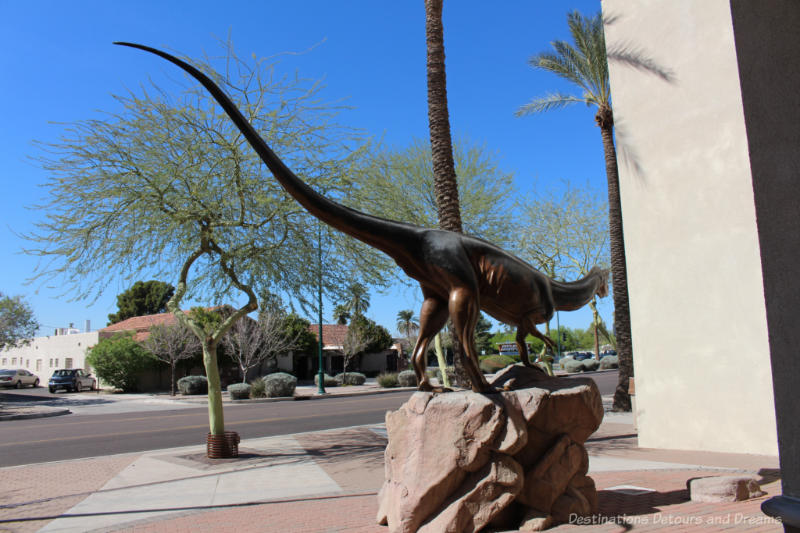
(510, 348)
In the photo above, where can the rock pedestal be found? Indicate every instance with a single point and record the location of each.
(459, 461)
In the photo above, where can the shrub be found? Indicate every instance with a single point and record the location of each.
(351, 378)
(119, 361)
(193, 385)
(328, 381)
(564, 360)
(572, 366)
(492, 363)
(258, 389)
(387, 380)
(590, 364)
(609, 361)
(279, 384)
(239, 391)
(407, 378)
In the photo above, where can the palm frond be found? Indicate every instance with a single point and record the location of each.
(560, 64)
(548, 103)
(583, 63)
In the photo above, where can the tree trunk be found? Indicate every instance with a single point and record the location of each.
(444, 170)
(172, 364)
(622, 318)
(216, 417)
(595, 323)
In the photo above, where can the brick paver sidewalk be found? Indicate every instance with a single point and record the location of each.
(638, 500)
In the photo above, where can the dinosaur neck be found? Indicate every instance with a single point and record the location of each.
(377, 232)
(568, 296)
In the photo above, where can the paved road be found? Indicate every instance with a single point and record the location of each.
(104, 425)
(606, 381)
(75, 436)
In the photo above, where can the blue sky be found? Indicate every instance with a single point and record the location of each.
(59, 65)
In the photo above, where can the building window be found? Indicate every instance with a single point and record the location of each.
(13, 361)
(51, 362)
(68, 362)
(38, 365)
(5, 361)
(27, 363)
(56, 360)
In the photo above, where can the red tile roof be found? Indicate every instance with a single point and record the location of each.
(140, 325)
(333, 335)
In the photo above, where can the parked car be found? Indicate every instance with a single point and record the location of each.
(17, 378)
(580, 356)
(607, 353)
(73, 379)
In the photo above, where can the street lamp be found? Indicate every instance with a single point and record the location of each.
(320, 374)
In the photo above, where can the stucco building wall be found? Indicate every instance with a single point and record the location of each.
(698, 316)
(44, 355)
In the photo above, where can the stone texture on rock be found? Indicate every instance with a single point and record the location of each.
(456, 461)
(482, 496)
(723, 489)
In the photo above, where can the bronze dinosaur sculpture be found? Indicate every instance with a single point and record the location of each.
(459, 274)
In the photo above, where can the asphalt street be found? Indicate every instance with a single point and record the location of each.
(76, 436)
(103, 425)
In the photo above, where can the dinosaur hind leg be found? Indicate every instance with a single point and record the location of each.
(432, 318)
(464, 310)
(522, 346)
(539, 335)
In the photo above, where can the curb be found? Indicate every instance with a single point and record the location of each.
(42, 414)
(323, 397)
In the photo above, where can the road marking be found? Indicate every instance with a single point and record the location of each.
(164, 430)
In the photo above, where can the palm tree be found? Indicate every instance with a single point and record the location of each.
(407, 322)
(584, 64)
(444, 170)
(358, 303)
(340, 314)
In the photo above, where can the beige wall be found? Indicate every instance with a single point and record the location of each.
(51, 352)
(701, 352)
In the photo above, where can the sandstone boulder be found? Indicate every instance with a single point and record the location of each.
(723, 489)
(456, 461)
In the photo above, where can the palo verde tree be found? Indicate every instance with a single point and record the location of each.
(143, 298)
(166, 185)
(564, 233)
(584, 64)
(401, 186)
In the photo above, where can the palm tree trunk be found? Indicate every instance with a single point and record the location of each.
(622, 317)
(444, 169)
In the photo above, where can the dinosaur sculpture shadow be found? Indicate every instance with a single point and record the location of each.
(459, 275)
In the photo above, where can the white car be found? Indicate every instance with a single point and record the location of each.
(17, 378)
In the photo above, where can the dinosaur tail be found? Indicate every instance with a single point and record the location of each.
(375, 231)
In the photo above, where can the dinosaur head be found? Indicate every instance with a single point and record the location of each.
(602, 286)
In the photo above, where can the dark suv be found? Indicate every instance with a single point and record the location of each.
(73, 379)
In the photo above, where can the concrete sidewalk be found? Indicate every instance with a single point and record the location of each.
(328, 482)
